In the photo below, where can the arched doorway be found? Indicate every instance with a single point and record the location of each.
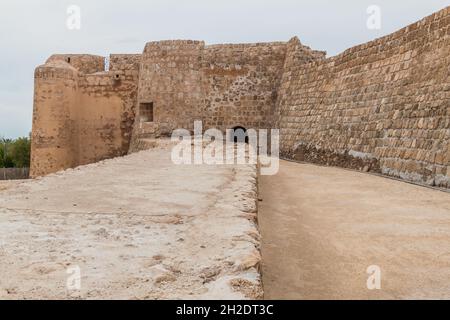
(239, 134)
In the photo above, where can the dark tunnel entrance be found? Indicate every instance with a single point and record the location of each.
(239, 134)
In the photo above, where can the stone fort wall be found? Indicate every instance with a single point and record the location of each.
(82, 113)
(382, 106)
(224, 86)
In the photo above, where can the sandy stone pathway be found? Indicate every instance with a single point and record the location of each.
(323, 227)
(136, 227)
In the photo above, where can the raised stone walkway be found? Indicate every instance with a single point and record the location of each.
(137, 227)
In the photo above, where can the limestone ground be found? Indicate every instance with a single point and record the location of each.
(138, 227)
(7, 184)
(323, 227)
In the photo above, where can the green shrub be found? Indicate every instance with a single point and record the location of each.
(15, 153)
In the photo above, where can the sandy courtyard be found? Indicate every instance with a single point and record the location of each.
(323, 227)
(136, 227)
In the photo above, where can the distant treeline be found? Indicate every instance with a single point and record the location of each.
(15, 153)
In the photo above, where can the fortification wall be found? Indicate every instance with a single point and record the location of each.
(224, 86)
(105, 115)
(129, 64)
(82, 118)
(84, 63)
(170, 80)
(176, 82)
(382, 106)
(240, 82)
(55, 97)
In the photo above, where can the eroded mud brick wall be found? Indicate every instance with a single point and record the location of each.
(78, 117)
(381, 106)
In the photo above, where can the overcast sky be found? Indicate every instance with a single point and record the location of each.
(33, 30)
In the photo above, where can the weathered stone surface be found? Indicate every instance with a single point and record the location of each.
(80, 118)
(137, 227)
(388, 98)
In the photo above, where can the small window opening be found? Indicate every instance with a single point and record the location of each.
(146, 112)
